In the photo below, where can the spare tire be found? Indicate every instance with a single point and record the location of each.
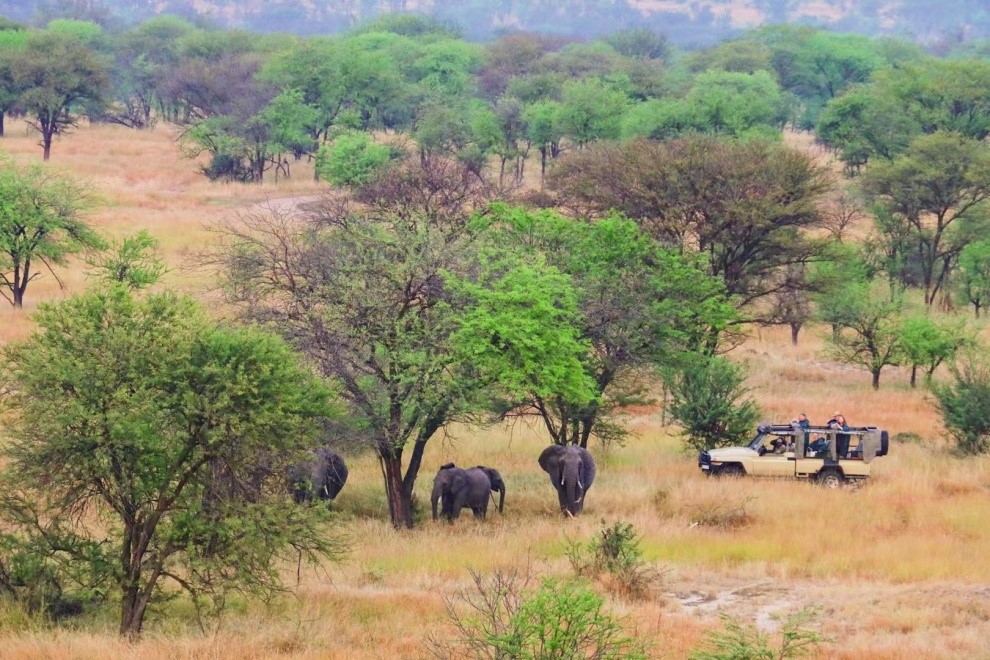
(884, 443)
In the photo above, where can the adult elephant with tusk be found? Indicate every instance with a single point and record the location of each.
(572, 471)
(321, 477)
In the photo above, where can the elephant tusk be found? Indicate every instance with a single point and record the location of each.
(568, 513)
(580, 485)
(578, 500)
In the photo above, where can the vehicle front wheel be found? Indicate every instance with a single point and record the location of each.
(830, 479)
(732, 471)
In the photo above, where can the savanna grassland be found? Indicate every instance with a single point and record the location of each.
(897, 567)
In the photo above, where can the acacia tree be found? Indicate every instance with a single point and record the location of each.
(118, 411)
(744, 208)
(933, 196)
(974, 276)
(928, 344)
(866, 323)
(362, 293)
(639, 307)
(57, 73)
(40, 221)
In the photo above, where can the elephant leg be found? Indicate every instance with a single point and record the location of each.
(460, 500)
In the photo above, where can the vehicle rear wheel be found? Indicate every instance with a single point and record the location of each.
(732, 471)
(830, 479)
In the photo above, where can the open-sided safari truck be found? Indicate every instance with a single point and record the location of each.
(827, 455)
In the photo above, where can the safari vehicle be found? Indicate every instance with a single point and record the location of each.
(819, 453)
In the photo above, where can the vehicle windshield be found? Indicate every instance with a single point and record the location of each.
(758, 441)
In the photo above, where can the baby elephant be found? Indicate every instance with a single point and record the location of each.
(322, 476)
(456, 488)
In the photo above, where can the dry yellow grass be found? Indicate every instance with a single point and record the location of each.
(898, 566)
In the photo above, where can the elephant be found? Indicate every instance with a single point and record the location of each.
(572, 471)
(322, 476)
(456, 488)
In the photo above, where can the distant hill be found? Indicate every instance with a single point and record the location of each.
(683, 21)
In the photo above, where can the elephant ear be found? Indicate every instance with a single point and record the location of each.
(550, 458)
(458, 480)
(493, 476)
(587, 467)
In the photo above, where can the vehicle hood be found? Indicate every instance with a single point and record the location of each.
(731, 453)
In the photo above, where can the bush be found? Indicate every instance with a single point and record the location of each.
(557, 620)
(964, 404)
(352, 159)
(614, 557)
(705, 400)
(736, 641)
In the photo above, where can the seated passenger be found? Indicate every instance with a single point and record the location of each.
(818, 448)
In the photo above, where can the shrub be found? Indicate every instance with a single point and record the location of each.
(352, 159)
(705, 400)
(736, 641)
(559, 619)
(964, 404)
(614, 557)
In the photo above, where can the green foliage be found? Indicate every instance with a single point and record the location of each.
(40, 222)
(928, 343)
(591, 110)
(639, 307)
(640, 43)
(721, 102)
(57, 73)
(175, 433)
(556, 621)
(865, 317)
(352, 159)
(130, 261)
(737, 641)
(706, 400)
(964, 404)
(614, 558)
(973, 281)
(934, 196)
(521, 331)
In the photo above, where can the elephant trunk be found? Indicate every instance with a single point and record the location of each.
(501, 497)
(434, 496)
(571, 488)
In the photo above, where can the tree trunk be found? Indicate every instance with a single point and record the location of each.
(399, 500)
(47, 146)
(2, 114)
(976, 307)
(130, 618)
(876, 379)
(914, 375)
(795, 329)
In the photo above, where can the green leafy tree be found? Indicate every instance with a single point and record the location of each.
(544, 131)
(866, 319)
(41, 225)
(591, 110)
(352, 159)
(12, 42)
(928, 344)
(363, 295)
(130, 261)
(132, 407)
(934, 195)
(57, 73)
(974, 276)
(639, 307)
(706, 400)
(964, 404)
